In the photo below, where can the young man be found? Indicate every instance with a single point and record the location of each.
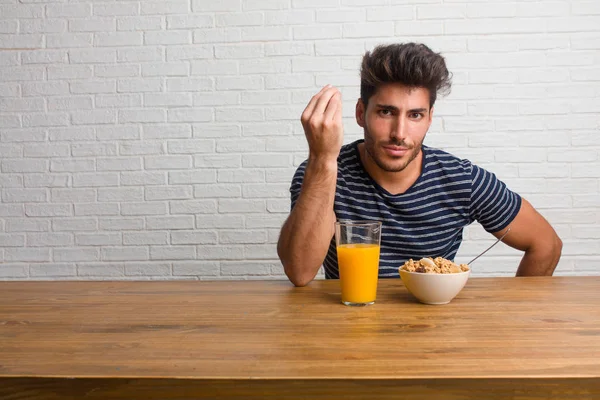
(423, 196)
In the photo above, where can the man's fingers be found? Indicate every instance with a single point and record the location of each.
(310, 107)
(324, 100)
(333, 105)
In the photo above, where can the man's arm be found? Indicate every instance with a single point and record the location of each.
(531, 233)
(307, 232)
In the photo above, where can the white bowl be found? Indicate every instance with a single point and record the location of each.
(434, 288)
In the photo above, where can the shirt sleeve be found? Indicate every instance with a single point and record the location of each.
(493, 205)
(297, 183)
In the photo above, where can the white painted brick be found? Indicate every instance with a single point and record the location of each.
(14, 271)
(11, 181)
(217, 191)
(143, 178)
(543, 170)
(241, 206)
(483, 109)
(116, 71)
(120, 224)
(165, 69)
(11, 210)
(71, 195)
(493, 76)
(139, 23)
(111, 39)
(274, 160)
(267, 5)
(321, 31)
(315, 64)
(193, 237)
(241, 175)
(240, 145)
(574, 24)
(264, 98)
(189, 84)
(129, 253)
(314, 3)
(166, 37)
(116, 9)
(147, 269)
(165, 7)
(21, 41)
(70, 103)
(493, 25)
(119, 164)
(118, 133)
(154, 193)
(141, 148)
(172, 252)
(267, 128)
(545, 9)
(118, 100)
(368, 29)
(9, 26)
(9, 58)
(278, 205)
(145, 208)
(24, 165)
(100, 270)
(288, 49)
(215, 98)
(192, 177)
(269, 190)
(46, 180)
(98, 239)
(237, 51)
(16, 105)
(224, 5)
(289, 113)
(244, 237)
(69, 10)
(195, 268)
(258, 268)
(26, 254)
(340, 15)
(95, 179)
(96, 209)
(145, 238)
(94, 117)
(45, 119)
(349, 47)
(76, 254)
(190, 115)
(571, 186)
(18, 240)
(48, 270)
(74, 224)
(170, 222)
(120, 194)
(167, 162)
(207, 252)
(94, 86)
(218, 35)
(92, 25)
(421, 28)
(138, 85)
(191, 21)
(142, 54)
(72, 165)
(235, 19)
(586, 200)
(49, 239)
(585, 170)
(193, 207)
(11, 74)
(486, 10)
(291, 81)
(95, 56)
(260, 252)
(9, 90)
(264, 66)
(215, 130)
(68, 40)
(239, 114)
(191, 52)
(142, 115)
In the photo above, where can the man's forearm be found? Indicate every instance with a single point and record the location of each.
(541, 261)
(306, 234)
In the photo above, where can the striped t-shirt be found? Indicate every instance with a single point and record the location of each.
(427, 220)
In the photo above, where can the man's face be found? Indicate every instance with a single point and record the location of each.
(395, 123)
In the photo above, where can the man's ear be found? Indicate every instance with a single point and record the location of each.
(360, 113)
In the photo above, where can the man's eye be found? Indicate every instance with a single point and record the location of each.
(385, 112)
(416, 115)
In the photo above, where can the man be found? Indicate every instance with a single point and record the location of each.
(423, 196)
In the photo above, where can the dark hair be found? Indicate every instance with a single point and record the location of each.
(411, 64)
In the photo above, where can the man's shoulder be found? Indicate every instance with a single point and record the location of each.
(443, 161)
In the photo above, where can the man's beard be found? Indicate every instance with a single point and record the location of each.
(376, 153)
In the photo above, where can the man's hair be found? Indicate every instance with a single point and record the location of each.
(411, 64)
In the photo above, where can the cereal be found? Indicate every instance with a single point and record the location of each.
(436, 265)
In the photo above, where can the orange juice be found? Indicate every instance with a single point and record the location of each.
(359, 267)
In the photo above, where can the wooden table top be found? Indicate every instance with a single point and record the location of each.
(495, 328)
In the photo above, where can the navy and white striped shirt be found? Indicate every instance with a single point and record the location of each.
(425, 221)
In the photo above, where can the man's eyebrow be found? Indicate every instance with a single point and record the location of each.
(394, 108)
(415, 110)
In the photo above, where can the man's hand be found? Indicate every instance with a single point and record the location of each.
(322, 123)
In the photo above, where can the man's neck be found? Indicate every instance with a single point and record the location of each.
(393, 182)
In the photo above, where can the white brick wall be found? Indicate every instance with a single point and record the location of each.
(157, 140)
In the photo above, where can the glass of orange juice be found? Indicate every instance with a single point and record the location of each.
(358, 244)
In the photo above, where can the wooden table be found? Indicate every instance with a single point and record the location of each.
(523, 338)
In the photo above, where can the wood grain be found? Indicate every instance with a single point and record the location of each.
(266, 336)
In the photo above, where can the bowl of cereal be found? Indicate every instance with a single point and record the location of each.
(434, 280)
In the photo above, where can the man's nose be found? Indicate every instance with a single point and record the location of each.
(399, 129)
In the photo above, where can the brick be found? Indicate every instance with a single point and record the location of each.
(221, 6)
(22, 41)
(240, 175)
(278, 205)
(27, 225)
(269, 190)
(24, 165)
(145, 238)
(116, 9)
(92, 25)
(11, 210)
(26, 254)
(120, 194)
(189, 84)
(192, 177)
(97, 179)
(118, 100)
(288, 49)
(168, 193)
(20, 105)
(195, 268)
(168, 162)
(12, 240)
(45, 119)
(141, 148)
(11, 181)
(69, 103)
(274, 160)
(314, 3)
(74, 224)
(260, 251)
(119, 164)
(191, 52)
(246, 268)
(139, 23)
(193, 207)
(147, 269)
(94, 117)
(29, 73)
(111, 39)
(143, 178)
(48, 270)
(494, 25)
(165, 7)
(237, 51)
(219, 221)
(170, 222)
(167, 37)
(95, 56)
(142, 54)
(9, 26)
(239, 114)
(267, 128)
(235, 19)
(240, 145)
(267, 5)
(215, 130)
(118, 133)
(193, 237)
(9, 90)
(129, 253)
(139, 85)
(68, 40)
(543, 170)
(96, 209)
(190, 21)
(190, 115)
(94, 86)
(144, 208)
(71, 195)
(241, 206)
(46, 180)
(116, 71)
(142, 115)
(215, 99)
(544, 9)
(100, 270)
(209, 252)
(577, 24)
(290, 81)
(22, 11)
(69, 10)
(321, 31)
(14, 271)
(120, 223)
(72, 165)
(49, 239)
(17, 195)
(172, 252)
(216, 191)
